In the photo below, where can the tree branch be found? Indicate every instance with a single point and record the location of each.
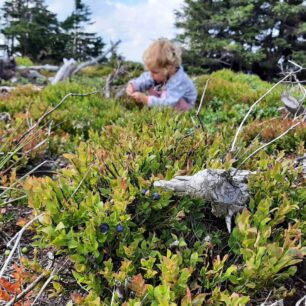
(17, 237)
(232, 149)
(27, 290)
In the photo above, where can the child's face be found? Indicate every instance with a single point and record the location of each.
(158, 75)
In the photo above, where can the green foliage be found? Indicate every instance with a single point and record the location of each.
(238, 88)
(97, 71)
(34, 31)
(131, 244)
(23, 61)
(76, 116)
(34, 27)
(80, 45)
(229, 96)
(243, 36)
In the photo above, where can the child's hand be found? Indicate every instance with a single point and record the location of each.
(129, 89)
(140, 97)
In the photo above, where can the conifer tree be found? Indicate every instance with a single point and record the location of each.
(31, 29)
(81, 44)
(247, 35)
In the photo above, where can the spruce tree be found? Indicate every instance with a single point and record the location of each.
(81, 44)
(247, 35)
(31, 29)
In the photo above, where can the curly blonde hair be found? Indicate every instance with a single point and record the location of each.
(162, 54)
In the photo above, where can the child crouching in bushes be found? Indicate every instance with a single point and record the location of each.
(165, 82)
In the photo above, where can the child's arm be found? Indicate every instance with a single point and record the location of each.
(174, 92)
(140, 97)
(129, 89)
(142, 83)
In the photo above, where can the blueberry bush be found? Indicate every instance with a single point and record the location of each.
(132, 244)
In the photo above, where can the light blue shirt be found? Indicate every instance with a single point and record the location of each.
(177, 87)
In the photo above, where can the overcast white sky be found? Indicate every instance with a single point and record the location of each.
(135, 22)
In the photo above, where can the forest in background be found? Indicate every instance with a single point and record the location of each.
(248, 36)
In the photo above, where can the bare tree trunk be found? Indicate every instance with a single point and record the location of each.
(47, 67)
(65, 71)
(97, 59)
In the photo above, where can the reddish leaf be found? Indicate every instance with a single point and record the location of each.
(22, 221)
(10, 287)
(138, 285)
(187, 299)
(77, 298)
(4, 296)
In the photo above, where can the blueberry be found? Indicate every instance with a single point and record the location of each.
(144, 192)
(104, 228)
(120, 228)
(155, 196)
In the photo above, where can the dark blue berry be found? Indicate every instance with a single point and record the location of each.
(144, 191)
(104, 228)
(155, 196)
(120, 228)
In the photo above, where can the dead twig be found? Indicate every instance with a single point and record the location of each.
(14, 200)
(27, 290)
(20, 179)
(120, 70)
(97, 59)
(299, 302)
(270, 142)
(267, 298)
(47, 113)
(81, 182)
(200, 106)
(232, 149)
(17, 238)
(52, 275)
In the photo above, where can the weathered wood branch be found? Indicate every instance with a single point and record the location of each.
(302, 162)
(32, 75)
(17, 238)
(21, 295)
(227, 191)
(7, 68)
(6, 89)
(71, 67)
(111, 78)
(47, 67)
(65, 71)
(5, 116)
(97, 59)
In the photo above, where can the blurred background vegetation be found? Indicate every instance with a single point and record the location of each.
(248, 36)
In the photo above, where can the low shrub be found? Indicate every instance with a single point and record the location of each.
(121, 233)
(24, 61)
(231, 89)
(132, 244)
(268, 130)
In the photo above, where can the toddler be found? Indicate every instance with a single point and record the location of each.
(165, 82)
